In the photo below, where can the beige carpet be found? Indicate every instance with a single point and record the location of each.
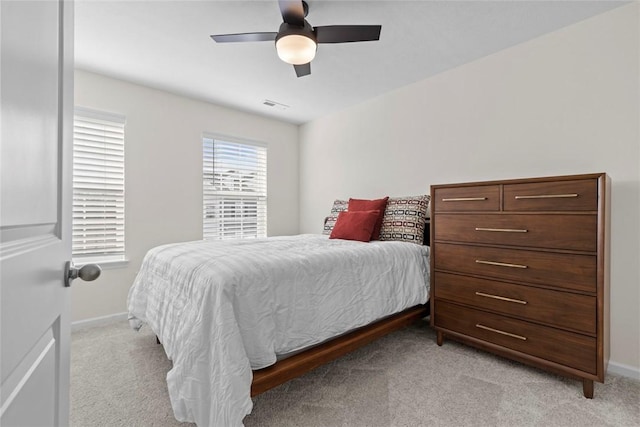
(404, 379)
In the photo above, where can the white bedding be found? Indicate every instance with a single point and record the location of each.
(223, 308)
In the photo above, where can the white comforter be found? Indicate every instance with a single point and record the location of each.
(223, 308)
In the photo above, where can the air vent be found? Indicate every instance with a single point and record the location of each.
(274, 104)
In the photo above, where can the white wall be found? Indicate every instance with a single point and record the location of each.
(564, 103)
(163, 175)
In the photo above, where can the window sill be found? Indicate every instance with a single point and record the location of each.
(104, 263)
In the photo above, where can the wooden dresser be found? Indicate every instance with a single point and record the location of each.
(520, 269)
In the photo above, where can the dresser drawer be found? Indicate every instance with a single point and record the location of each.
(554, 308)
(464, 199)
(574, 232)
(567, 348)
(567, 271)
(579, 195)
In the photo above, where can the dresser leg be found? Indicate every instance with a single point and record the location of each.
(587, 388)
(439, 338)
(157, 340)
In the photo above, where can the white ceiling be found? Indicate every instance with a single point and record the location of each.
(166, 44)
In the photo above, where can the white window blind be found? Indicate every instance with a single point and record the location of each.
(98, 185)
(234, 184)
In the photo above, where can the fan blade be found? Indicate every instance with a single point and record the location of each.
(244, 37)
(292, 12)
(347, 33)
(303, 70)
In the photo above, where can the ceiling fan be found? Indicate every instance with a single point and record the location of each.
(297, 41)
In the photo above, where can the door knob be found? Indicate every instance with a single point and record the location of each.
(87, 272)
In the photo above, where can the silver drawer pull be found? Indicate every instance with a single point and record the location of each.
(518, 301)
(465, 199)
(504, 230)
(548, 196)
(501, 264)
(498, 331)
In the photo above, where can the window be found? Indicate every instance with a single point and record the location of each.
(98, 186)
(234, 189)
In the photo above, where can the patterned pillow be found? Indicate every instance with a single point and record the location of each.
(404, 219)
(338, 206)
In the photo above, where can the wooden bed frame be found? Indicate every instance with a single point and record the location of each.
(301, 363)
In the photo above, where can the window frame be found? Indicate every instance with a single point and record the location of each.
(262, 217)
(119, 258)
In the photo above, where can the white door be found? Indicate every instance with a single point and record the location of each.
(35, 210)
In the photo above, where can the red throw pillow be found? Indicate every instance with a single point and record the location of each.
(356, 225)
(370, 205)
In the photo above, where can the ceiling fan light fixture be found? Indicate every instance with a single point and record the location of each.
(296, 49)
(297, 41)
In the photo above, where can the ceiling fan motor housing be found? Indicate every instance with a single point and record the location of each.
(289, 30)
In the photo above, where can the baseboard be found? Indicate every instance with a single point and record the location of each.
(98, 321)
(614, 368)
(624, 370)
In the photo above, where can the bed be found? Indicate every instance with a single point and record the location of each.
(239, 317)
